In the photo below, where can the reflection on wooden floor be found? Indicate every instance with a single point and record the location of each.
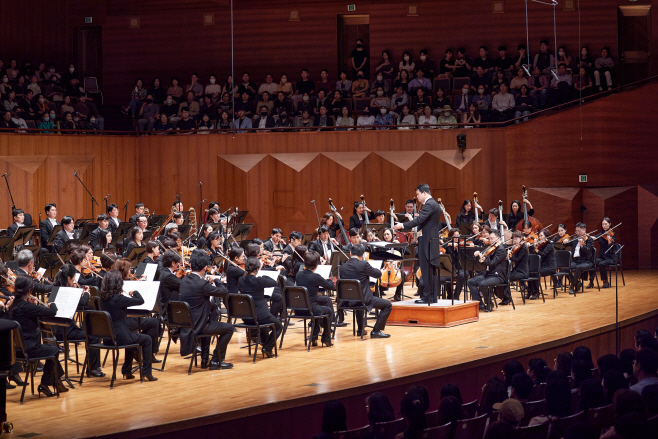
(274, 384)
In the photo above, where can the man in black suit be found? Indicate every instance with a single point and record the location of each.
(358, 269)
(582, 256)
(196, 291)
(169, 283)
(66, 234)
(274, 243)
(139, 211)
(113, 217)
(25, 260)
(493, 221)
(46, 226)
(496, 273)
(429, 222)
(103, 224)
(19, 221)
(324, 245)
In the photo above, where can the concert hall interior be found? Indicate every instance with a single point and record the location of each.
(221, 208)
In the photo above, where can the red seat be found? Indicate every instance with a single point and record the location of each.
(471, 428)
(441, 432)
(388, 430)
(470, 408)
(357, 433)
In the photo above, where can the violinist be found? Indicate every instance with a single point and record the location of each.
(359, 217)
(528, 235)
(296, 261)
(319, 304)
(152, 253)
(27, 312)
(255, 287)
(329, 220)
(496, 273)
(80, 258)
(169, 283)
(478, 232)
(202, 242)
(4, 280)
(582, 256)
(116, 304)
(605, 258)
(562, 237)
(105, 241)
(389, 236)
(324, 245)
(66, 278)
(274, 243)
(103, 224)
(149, 325)
(451, 249)
(235, 272)
(294, 241)
(66, 234)
(518, 254)
(215, 244)
(46, 226)
(544, 248)
(515, 214)
(25, 260)
(467, 213)
(139, 211)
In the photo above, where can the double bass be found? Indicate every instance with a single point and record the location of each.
(365, 211)
(507, 234)
(401, 237)
(391, 276)
(536, 225)
(340, 223)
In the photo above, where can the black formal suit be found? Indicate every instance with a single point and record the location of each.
(605, 258)
(114, 226)
(133, 219)
(496, 273)
(37, 287)
(255, 287)
(169, 289)
(233, 275)
(196, 291)
(316, 246)
(11, 230)
(582, 259)
(429, 222)
(117, 307)
(363, 271)
(269, 246)
(319, 304)
(45, 230)
(548, 266)
(60, 239)
(202, 242)
(27, 315)
(520, 268)
(94, 236)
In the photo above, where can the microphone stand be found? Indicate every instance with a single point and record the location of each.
(316, 213)
(125, 220)
(13, 206)
(93, 200)
(616, 254)
(105, 199)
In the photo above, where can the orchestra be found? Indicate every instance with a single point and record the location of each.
(482, 249)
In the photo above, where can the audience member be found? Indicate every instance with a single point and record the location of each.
(544, 60)
(493, 391)
(158, 91)
(420, 82)
(499, 430)
(558, 402)
(613, 380)
(379, 409)
(451, 390)
(147, 114)
(344, 85)
(521, 387)
(191, 105)
(334, 418)
(645, 369)
(504, 63)
(406, 118)
(175, 90)
(463, 63)
(268, 86)
(407, 64)
(462, 101)
(360, 86)
(264, 120)
(413, 411)
(447, 119)
(483, 102)
(524, 103)
(365, 120)
(242, 123)
(324, 83)
(398, 100)
(517, 82)
(360, 60)
(590, 396)
(306, 122)
(499, 79)
(386, 66)
(323, 119)
(583, 353)
(344, 120)
(582, 83)
(538, 370)
(447, 65)
(450, 411)
(187, 123)
(426, 120)
(137, 98)
(213, 89)
(380, 82)
(502, 105)
(383, 118)
(322, 99)
(510, 412)
(427, 65)
(561, 86)
(283, 121)
(585, 61)
(479, 79)
(194, 86)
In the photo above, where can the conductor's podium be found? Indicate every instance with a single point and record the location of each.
(442, 314)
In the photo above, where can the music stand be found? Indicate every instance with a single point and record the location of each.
(337, 259)
(52, 265)
(401, 217)
(64, 250)
(241, 231)
(468, 260)
(82, 221)
(24, 234)
(242, 214)
(307, 239)
(215, 226)
(35, 249)
(184, 231)
(7, 248)
(85, 235)
(377, 229)
(51, 239)
(466, 229)
(560, 246)
(155, 221)
(136, 255)
(147, 236)
(447, 269)
(186, 216)
(99, 252)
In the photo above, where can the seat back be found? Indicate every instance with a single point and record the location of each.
(432, 418)
(470, 408)
(19, 341)
(532, 409)
(179, 315)
(471, 428)
(388, 430)
(601, 417)
(361, 103)
(440, 432)
(458, 83)
(443, 83)
(539, 431)
(297, 299)
(357, 433)
(241, 306)
(47, 333)
(534, 263)
(98, 324)
(575, 396)
(563, 259)
(561, 425)
(538, 392)
(349, 289)
(95, 298)
(90, 84)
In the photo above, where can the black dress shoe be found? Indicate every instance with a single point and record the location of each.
(16, 379)
(420, 301)
(326, 341)
(154, 359)
(358, 333)
(606, 284)
(8, 385)
(204, 364)
(128, 376)
(590, 285)
(571, 291)
(397, 299)
(45, 390)
(379, 334)
(97, 373)
(150, 378)
(534, 297)
(270, 354)
(61, 387)
(341, 324)
(481, 307)
(505, 302)
(225, 365)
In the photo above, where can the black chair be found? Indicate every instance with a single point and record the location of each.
(95, 298)
(532, 409)
(593, 268)
(296, 299)
(534, 264)
(563, 264)
(601, 417)
(349, 290)
(440, 432)
(357, 433)
(98, 324)
(179, 317)
(241, 306)
(503, 286)
(470, 408)
(30, 362)
(539, 431)
(48, 336)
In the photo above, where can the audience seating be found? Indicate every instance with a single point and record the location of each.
(471, 428)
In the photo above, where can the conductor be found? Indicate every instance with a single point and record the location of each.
(429, 223)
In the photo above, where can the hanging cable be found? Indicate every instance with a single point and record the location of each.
(231, 92)
(580, 101)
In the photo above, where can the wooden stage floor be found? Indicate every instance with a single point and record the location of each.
(178, 401)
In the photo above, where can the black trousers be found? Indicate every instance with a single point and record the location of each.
(147, 344)
(513, 276)
(224, 331)
(427, 274)
(384, 307)
(479, 286)
(276, 303)
(52, 372)
(578, 265)
(459, 284)
(94, 354)
(603, 264)
(533, 286)
(150, 327)
(268, 336)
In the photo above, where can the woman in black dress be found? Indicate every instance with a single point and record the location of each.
(202, 242)
(255, 287)
(136, 241)
(359, 217)
(515, 214)
(329, 220)
(548, 266)
(235, 273)
(116, 304)
(26, 312)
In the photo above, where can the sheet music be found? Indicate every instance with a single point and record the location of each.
(67, 300)
(149, 271)
(324, 271)
(377, 265)
(271, 274)
(41, 271)
(148, 291)
(77, 276)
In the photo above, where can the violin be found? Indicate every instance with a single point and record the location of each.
(531, 239)
(515, 248)
(565, 239)
(10, 280)
(88, 268)
(535, 224)
(490, 250)
(609, 235)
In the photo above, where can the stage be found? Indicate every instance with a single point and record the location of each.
(283, 397)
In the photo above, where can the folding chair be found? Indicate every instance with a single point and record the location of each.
(179, 317)
(593, 268)
(241, 306)
(534, 264)
(349, 290)
(296, 300)
(30, 362)
(563, 264)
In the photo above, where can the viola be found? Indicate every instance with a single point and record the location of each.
(515, 248)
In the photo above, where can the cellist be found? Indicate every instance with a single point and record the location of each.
(389, 236)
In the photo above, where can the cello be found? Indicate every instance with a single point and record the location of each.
(536, 225)
(340, 223)
(401, 237)
(475, 206)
